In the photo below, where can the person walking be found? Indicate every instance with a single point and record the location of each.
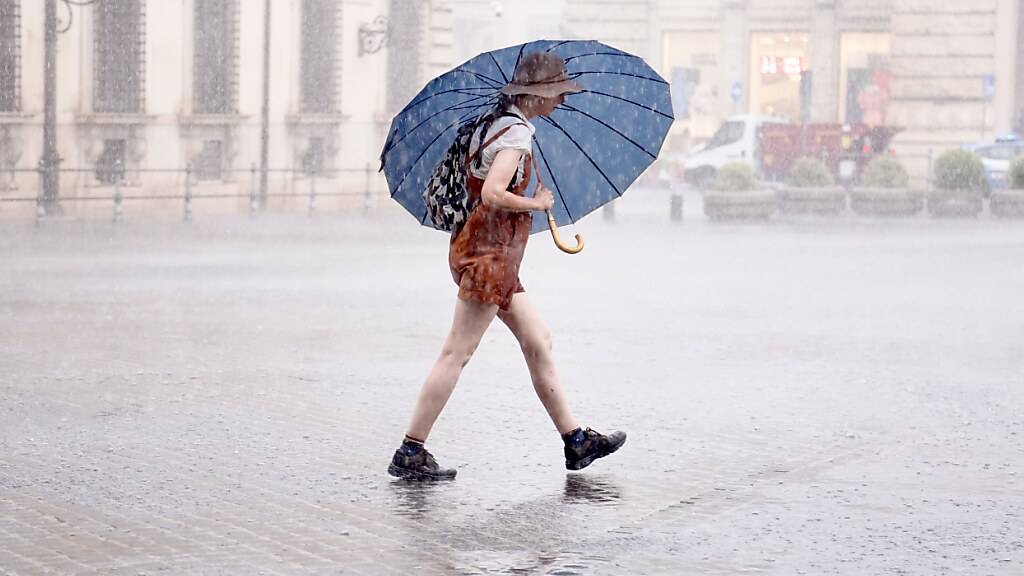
(484, 258)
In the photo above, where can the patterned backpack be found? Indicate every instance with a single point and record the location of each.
(447, 195)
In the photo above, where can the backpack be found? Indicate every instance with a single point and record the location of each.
(446, 194)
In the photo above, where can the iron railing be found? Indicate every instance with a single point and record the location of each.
(187, 194)
(193, 188)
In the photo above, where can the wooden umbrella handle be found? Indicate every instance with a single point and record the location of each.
(558, 240)
(551, 221)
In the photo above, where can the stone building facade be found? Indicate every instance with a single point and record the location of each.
(148, 87)
(957, 69)
(946, 72)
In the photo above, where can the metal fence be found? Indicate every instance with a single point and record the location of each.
(188, 194)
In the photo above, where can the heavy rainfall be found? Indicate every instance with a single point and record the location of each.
(248, 245)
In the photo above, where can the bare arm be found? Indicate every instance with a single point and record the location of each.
(495, 191)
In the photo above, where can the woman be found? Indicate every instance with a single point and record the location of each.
(484, 257)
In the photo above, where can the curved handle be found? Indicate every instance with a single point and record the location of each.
(558, 240)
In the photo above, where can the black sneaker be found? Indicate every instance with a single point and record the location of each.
(595, 445)
(418, 466)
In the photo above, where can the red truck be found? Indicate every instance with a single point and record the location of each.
(771, 145)
(844, 148)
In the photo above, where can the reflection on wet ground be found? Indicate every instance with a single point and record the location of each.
(580, 488)
(536, 534)
(519, 563)
(416, 499)
(412, 498)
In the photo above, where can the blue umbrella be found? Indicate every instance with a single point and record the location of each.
(588, 151)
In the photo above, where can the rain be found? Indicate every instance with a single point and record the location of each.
(248, 248)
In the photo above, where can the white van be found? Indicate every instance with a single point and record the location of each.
(735, 141)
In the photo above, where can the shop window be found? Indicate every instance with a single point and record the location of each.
(691, 65)
(778, 62)
(864, 78)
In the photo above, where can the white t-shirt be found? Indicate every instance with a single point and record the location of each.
(519, 137)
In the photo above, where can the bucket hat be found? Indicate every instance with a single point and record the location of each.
(541, 74)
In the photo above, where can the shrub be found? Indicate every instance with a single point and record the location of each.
(735, 177)
(885, 172)
(808, 172)
(1015, 177)
(959, 170)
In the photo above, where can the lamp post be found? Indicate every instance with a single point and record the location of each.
(49, 164)
(265, 109)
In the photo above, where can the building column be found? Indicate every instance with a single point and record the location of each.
(1019, 106)
(407, 44)
(734, 57)
(656, 37)
(1006, 98)
(824, 60)
(440, 40)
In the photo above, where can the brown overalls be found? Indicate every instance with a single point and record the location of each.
(485, 254)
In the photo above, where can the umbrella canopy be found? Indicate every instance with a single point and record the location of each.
(588, 151)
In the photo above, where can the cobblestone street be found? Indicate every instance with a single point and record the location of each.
(802, 397)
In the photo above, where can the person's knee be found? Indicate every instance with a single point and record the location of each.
(458, 354)
(538, 345)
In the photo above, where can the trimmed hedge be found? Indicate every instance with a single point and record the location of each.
(1015, 177)
(959, 170)
(735, 177)
(884, 172)
(809, 172)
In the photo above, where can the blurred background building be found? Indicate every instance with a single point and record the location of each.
(946, 72)
(150, 85)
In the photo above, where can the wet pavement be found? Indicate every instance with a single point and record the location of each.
(803, 397)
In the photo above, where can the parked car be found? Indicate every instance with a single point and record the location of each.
(996, 156)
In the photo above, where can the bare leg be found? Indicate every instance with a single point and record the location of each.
(471, 321)
(535, 340)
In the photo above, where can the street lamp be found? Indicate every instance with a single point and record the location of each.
(49, 164)
(265, 108)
